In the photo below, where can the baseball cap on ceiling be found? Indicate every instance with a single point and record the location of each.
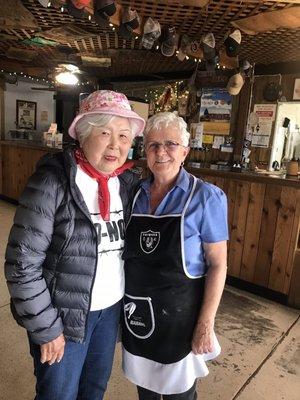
(208, 45)
(73, 10)
(194, 49)
(81, 3)
(235, 84)
(183, 43)
(233, 42)
(44, 3)
(169, 41)
(210, 65)
(130, 21)
(103, 9)
(151, 33)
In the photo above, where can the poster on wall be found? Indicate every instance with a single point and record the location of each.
(26, 114)
(262, 131)
(215, 111)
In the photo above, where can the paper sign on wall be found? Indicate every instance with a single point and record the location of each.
(208, 139)
(262, 131)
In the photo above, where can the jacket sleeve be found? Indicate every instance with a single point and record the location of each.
(28, 242)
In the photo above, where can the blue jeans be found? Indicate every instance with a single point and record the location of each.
(85, 368)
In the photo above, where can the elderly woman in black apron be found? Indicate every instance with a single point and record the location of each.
(175, 269)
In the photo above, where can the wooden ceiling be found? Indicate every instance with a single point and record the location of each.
(128, 57)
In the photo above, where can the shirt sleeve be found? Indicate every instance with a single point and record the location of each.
(214, 226)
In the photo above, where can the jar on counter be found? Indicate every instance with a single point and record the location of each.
(292, 167)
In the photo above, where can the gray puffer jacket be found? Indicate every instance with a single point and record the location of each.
(51, 256)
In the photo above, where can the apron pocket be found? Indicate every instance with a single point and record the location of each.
(139, 316)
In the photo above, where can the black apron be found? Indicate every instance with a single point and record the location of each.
(161, 303)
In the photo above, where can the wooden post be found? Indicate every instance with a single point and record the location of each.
(241, 120)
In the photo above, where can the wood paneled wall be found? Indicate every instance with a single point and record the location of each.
(264, 231)
(17, 163)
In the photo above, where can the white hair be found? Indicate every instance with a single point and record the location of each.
(85, 125)
(164, 119)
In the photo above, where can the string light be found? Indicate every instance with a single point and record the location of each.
(89, 17)
(62, 9)
(49, 4)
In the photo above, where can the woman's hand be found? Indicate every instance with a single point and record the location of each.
(53, 351)
(202, 341)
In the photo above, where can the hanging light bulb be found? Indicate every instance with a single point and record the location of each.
(66, 78)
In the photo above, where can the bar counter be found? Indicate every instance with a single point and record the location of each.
(18, 159)
(264, 217)
(264, 221)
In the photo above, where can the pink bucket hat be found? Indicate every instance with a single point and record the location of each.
(108, 102)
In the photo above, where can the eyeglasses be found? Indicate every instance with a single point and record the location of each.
(168, 145)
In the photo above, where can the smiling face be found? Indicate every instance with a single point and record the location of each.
(106, 148)
(165, 161)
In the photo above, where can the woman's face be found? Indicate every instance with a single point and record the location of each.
(106, 148)
(165, 160)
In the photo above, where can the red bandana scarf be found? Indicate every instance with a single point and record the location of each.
(103, 192)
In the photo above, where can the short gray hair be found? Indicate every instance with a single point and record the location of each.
(85, 125)
(163, 119)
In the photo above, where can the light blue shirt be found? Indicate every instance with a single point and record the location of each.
(205, 218)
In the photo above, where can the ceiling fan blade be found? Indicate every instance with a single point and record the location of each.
(288, 18)
(46, 89)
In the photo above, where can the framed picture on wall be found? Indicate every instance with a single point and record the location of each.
(296, 94)
(26, 114)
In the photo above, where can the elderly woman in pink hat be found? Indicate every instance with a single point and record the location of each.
(63, 264)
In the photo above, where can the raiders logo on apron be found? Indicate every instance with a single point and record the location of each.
(149, 241)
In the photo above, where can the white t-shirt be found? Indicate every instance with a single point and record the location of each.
(109, 281)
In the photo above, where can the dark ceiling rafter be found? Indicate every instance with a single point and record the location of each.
(129, 58)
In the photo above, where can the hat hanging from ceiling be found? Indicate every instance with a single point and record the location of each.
(44, 3)
(81, 3)
(245, 67)
(151, 33)
(130, 21)
(208, 45)
(194, 49)
(103, 10)
(74, 10)
(235, 84)
(272, 91)
(210, 65)
(183, 44)
(233, 42)
(169, 41)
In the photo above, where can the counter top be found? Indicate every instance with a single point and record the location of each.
(37, 145)
(283, 180)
